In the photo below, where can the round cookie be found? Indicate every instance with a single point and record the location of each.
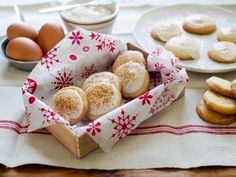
(213, 117)
(199, 24)
(220, 86)
(223, 52)
(134, 78)
(102, 98)
(227, 33)
(183, 48)
(125, 57)
(71, 103)
(219, 103)
(102, 77)
(233, 87)
(165, 31)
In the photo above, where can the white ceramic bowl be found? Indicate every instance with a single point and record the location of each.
(102, 26)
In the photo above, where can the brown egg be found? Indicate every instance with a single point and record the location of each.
(21, 30)
(49, 35)
(23, 49)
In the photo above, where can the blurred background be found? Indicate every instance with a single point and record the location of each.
(130, 11)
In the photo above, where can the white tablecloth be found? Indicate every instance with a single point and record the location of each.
(27, 150)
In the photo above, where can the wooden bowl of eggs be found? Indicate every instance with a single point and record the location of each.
(24, 46)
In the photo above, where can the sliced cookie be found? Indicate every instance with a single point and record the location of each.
(219, 103)
(213, 117)
(220, 86)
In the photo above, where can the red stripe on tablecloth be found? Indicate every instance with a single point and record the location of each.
(145, 130)
(187, 126)
(13, 122)
(183, 133)
(24, 132)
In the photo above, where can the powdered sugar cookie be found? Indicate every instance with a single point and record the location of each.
(165, 31)
(199, 24)
(71, 103)
(183, 48)
(125, 57)
(227, 33)
(102, 77)
(102, 98)
(135, 79)
(223, 52)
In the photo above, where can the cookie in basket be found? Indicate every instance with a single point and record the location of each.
(219, 103)
(213, 117)
(220, 86)
(165, 31)
(125, 57)
(71, 103)
(184, 48)
(107, 77)
(227, 33)
(223, 52)
(199, 24)
(134, 78)
(102, 97)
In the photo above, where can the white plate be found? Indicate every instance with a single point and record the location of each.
(177, 14)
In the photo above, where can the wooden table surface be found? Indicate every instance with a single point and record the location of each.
(46, 171)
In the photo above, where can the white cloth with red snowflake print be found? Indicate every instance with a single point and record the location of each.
(82, 53)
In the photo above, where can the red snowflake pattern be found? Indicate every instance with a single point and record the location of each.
(94, 128)
(86, 48)
(159, 67)
(88, 71)
(27, 114)
(49, 58)
(123, 125)
(162, 101)
(62, 79)
(50, 116)
(103, 41)
(29, 86)
(146, 97)
(173, 61)
(76, 38)
(157, 52)
(182, 80)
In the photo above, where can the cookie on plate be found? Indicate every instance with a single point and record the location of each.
(125, 57)
(134, 78)
(223, 52)
(220, 86)
(184, 48)
(70, 103)
(213, 117)
(165, 31)
(199, 24)
(227, 33)
(102, 97)
(102, 77)
(219, 103)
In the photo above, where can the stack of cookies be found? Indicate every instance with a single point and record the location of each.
(130, 67)
(102, 92)
(218, 104)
